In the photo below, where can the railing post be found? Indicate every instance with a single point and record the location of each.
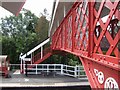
(41, 52)
(42, 67)
(79, 71)
(21, 66)
(31, 58)
(75, 71)
(47, 69)
(26, 70)
(61, 68)
(36, 69)
(54, 67)
(24, 67)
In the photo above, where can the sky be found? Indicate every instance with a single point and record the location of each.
(35, 6)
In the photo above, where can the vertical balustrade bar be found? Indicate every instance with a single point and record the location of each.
(78, 71)
(41, 52)
(75, 71)
(73, 30)
(21, 66)
(47, 69)
(36, 69)
(61, 68)
(54, 67)
(24, 67)
(31, 58)
(65, 36)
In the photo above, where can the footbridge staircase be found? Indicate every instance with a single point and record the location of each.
(32, 58)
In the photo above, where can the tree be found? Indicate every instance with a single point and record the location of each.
(13, 26)
(67, 59)
(43, 26)
(17, 34)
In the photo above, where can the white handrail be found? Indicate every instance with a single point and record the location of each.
(53, 17)
(35, 48)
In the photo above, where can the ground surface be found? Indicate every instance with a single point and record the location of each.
(19, 80)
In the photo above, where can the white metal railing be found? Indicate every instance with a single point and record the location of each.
(34, 49)
(24, 58)
(74, 71)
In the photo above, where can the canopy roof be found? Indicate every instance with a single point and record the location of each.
(14, 6)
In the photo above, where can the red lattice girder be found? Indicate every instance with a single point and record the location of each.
(104, 26)
(84, 33)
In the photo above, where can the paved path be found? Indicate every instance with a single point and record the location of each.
(19, 80)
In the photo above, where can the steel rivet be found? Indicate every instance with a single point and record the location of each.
(104, 58)
(112, 46)
(97, 17)
(113, 9)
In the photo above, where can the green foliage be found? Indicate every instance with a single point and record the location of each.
(67, 59)
(18, 34)
(42, 28)
(13, 26)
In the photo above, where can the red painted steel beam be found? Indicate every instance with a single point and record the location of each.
(95, 60)
(91, 29)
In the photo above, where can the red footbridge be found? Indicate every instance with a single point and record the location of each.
(89, 29)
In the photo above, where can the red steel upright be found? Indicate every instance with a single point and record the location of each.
(91, 31)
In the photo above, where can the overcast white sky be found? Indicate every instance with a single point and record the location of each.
(35, 6)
